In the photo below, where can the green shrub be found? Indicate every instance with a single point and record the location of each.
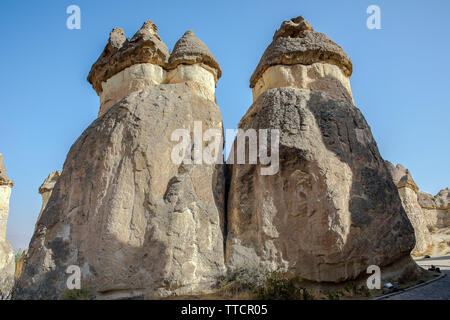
(278, 287)
(240, 280)
(77, 294)
(18, 255)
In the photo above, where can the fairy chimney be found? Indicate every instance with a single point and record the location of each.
(191, 60)
(128, 66)
(300, 57)
(7, 263)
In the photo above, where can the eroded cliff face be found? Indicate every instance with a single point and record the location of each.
(136, 223)
(332, 209)
(46, 189)
(430, 216)
(7, 263)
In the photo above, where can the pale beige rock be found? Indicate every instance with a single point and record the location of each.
(191, 50)
(296, 42)
(436, 211)
(145, 47)
(190, 60)
(46, 189)
(196, 73)
(7, 263)
(319, 77)
(407, 190)
(131, 79)
(425, 213)
(136, 223)
(417, 218)
(332, 209)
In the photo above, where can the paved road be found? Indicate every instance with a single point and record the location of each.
(438, 290)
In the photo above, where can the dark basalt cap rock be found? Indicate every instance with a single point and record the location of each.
(296, 42)
(145, 47)
(191, 50)
(4, 180)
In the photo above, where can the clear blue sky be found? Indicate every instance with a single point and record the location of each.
(400, 80)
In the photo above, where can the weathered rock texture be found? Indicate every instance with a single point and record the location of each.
(145, 53)
(303, 58)
(192, 60)
(136, 223)
(7, 263)
(46, 189)
(436, 208)
(128, 66)
(407, 190)
(332, 209)
(430, 216)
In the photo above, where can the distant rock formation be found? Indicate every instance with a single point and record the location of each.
(136, 223)
(427, 214)
(436, 208)
(46, 189)
(332, 209)
(7, 262)
(407, 190)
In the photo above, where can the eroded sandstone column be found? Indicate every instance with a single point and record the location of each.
(137, 222)
(331, 209)
(408, 192)
(7, 263)
(45, 190)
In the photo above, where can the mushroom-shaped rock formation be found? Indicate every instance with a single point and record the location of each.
(5, 192)
(133, 207)
(328, 209)
(300, 57)
(7, 264)
(128, 66)
(192, 60)
(46, 189)
(408, 191)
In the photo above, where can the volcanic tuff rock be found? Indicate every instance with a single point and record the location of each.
(191, 60)
(407, 190)
(145, 47)
(332, 209)
(135, 222)
(125, 67)
(46, 189)
(300, 57)
(425, 212)
(191, 50)
(436, 208)
(7, 263)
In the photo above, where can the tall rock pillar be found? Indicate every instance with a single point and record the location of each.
(7, 263)
(137, 222)
(331, 209)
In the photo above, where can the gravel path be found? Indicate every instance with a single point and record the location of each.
(438, 290)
